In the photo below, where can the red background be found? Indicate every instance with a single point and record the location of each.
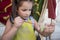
(3, 4)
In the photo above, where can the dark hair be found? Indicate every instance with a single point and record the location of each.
(15, 6)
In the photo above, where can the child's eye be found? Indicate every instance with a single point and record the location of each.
(24, 9)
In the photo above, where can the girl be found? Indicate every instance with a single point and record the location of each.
(20, 25)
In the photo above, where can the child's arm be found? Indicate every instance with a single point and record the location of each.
(10, 30)
(47, 30)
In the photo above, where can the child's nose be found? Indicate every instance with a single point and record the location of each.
(27, 13)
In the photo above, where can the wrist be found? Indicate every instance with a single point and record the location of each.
(42, 28)
(16, 27)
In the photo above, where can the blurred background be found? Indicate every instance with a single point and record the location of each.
(40, 8)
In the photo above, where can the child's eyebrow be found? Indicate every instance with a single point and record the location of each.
(25, 8)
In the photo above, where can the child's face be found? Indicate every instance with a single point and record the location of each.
(25, 9)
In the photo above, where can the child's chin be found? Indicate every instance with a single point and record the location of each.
(25, 18)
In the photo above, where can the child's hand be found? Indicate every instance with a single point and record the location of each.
(49, 28)
(18, 22)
